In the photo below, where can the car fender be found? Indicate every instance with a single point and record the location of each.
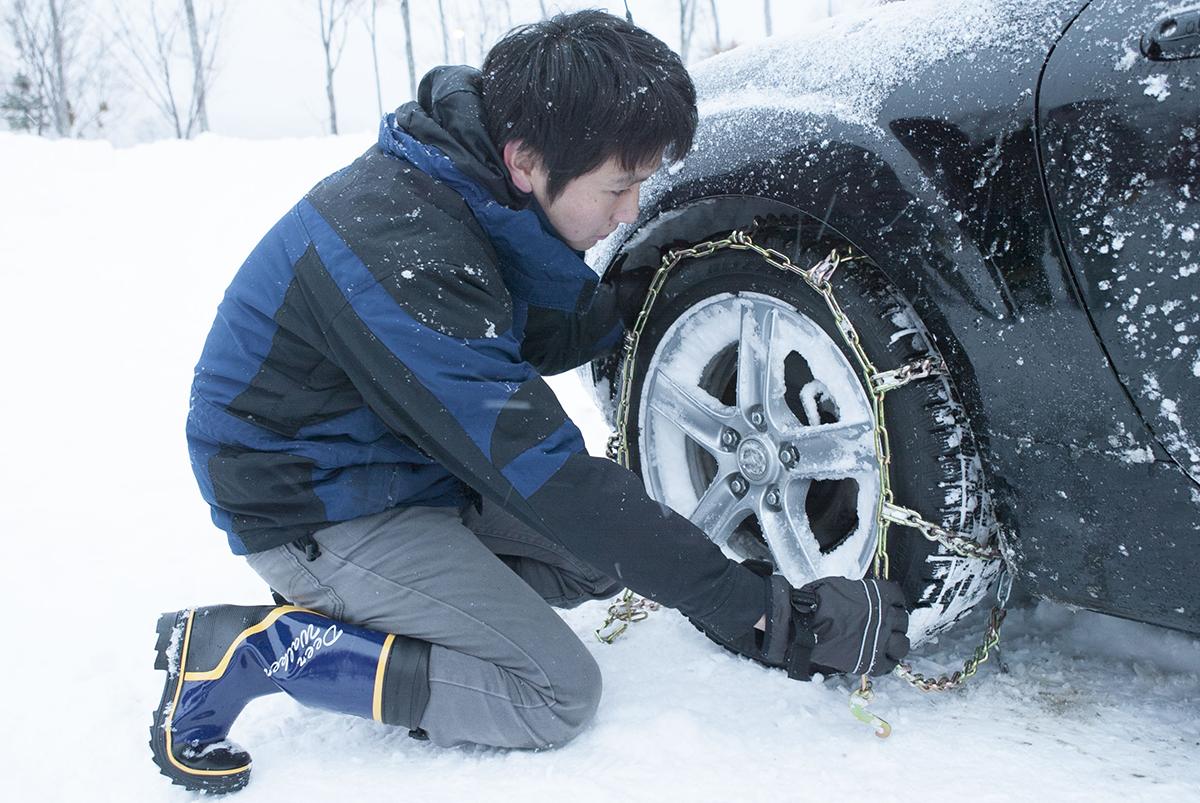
(842, 182)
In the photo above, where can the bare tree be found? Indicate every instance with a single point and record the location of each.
(335, 22)
(445, 33)
(485, 27)
(542, 6)
(488, 32)
(58, 51)
(27, 104)
(369, 20)
(59, 84)
(767, 15)
(687, 24)
(716, 25)
(158, 62)
(203, 38)
(408, 50)
(151, 46)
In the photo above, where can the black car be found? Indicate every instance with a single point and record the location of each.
(1014, 191)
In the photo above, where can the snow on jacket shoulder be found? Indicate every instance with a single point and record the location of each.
(369, 354)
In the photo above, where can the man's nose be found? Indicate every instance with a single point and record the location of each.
(627, 209)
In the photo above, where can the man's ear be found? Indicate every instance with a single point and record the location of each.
(521, 163)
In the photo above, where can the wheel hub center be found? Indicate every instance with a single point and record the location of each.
(754, 459)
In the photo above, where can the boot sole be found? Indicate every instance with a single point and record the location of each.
(170, 651)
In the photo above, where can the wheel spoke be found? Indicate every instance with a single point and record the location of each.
(833, 451)
(697, 414)
(763, 333)
(787, 532)
(719, 511)
(754, 366)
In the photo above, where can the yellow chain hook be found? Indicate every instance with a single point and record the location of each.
(859, 700)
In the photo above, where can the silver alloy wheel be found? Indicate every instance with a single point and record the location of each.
(756, 426)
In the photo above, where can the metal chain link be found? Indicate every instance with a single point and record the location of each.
(991, 640)
(922, 368)
(957, 543)
(820, 279)
(624, 611)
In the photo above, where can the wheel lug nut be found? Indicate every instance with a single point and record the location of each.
(772, 499)
(729, 438)
(738, 485)
(757, 418)
(788, 455)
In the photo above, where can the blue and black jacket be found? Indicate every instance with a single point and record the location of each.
(382, 347)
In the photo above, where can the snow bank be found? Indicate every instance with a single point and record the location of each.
(113, 262)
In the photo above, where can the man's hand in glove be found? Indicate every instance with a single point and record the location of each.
(830, 625)
(859, 626)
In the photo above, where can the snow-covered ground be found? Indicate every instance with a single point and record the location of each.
(113, 262)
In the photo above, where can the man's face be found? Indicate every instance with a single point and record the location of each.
(591, 205)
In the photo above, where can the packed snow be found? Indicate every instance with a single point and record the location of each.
(114, 261)
(1157, 87)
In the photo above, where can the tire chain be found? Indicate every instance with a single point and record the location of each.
(630, 608)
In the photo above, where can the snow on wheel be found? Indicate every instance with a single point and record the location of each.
(753, 420)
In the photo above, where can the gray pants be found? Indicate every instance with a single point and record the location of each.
(504, 669)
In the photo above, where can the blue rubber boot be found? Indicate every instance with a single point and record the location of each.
(219, 658)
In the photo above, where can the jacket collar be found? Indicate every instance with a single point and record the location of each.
(443, 135)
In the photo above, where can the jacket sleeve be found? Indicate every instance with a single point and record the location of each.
(556, 341)
(434, 356)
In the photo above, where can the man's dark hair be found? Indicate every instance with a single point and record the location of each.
(578, 89)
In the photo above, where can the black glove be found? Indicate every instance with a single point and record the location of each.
(859, 625)
(830, 625)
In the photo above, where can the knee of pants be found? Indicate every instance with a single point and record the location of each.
(577, 687)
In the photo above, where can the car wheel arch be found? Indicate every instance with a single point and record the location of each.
(709, 217)
(700, 217)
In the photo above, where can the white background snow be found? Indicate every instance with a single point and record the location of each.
(113, 262)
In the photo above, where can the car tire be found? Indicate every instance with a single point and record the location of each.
(693, 341)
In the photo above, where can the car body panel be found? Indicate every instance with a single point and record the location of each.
(1121, 149)
(941, 189)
